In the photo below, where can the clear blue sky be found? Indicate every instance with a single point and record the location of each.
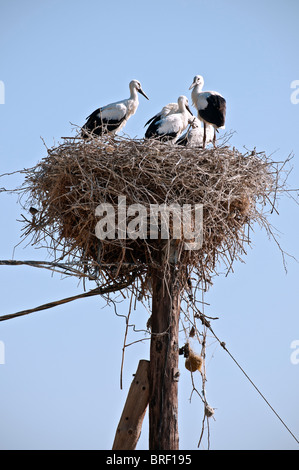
(59, 61)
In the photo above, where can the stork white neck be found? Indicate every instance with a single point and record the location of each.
(197, 86)
(133, 93)
(182, 102)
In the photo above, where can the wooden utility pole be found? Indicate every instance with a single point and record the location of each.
(156, 381)
(164, 354)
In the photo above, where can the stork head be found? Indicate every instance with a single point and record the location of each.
(197, 81)
(136, 85)
(184, 104)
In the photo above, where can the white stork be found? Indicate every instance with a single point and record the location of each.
(170, 122)
(111, 118)
(210, 105)
(193, 137)
(170, 108)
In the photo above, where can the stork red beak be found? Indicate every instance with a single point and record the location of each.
(142, 93)
(192, 86)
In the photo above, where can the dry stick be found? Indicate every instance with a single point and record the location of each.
(202, 395)
(51, 265)
(96, 291)
(203, 376)
(124, 345)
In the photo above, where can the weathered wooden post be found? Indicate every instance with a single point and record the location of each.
(130, 424)
(164, 354)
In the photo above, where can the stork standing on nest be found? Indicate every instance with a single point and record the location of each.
(193, 137)
(210, 105)
(169, 124)
(111, 118)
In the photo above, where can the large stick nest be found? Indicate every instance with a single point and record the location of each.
(78, 175)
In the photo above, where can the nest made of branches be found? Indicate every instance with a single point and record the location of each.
(64, 189)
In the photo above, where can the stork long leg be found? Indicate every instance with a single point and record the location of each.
(204, 136)
(214, 139)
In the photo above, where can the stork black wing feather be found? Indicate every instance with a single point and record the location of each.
(98, 125)
(215, 112)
